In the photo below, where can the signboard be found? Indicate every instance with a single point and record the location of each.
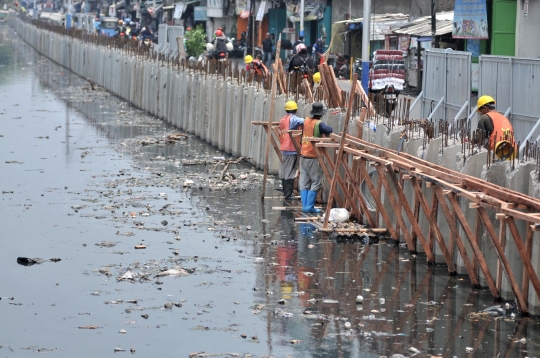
(289, 30)
(199, 13)
(312, 11)
(403, 42)
(179, 10)
(470, 20)
(260, 13)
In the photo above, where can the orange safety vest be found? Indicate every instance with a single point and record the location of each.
(260, 68)
(286, 143)
(500, 125)
(309, 131)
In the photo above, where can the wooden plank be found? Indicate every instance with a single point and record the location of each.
(502, 241)
(268, 140)
(477, 252)
(434, 227)
(273, 143)
(403, 202)
(396, 207)
(506, 265)
(362, 230)
(360, 122)
(450, 219)
(338, 160)
(358, 195)
(365, 98)
(263, 123)
(478, 235)
(525, 256)
(375, 195)
(308, 95)
(319, 152)
(434, 211)
(528, 248)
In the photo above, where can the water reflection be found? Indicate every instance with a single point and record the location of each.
(408, 306)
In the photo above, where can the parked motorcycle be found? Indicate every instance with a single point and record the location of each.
(238, 49)
(387, 100)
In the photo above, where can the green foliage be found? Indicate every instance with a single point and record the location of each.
(195, 41)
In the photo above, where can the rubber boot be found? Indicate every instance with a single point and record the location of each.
(304, 199)
(288, 185)
(310, 204)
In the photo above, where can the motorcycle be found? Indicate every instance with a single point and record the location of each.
(387, 100)
(221, 56)
(238, 49)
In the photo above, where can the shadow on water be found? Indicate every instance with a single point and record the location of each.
(408, 307)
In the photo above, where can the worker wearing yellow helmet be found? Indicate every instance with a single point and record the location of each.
(496, 126)
(256, 65)
(289, 156)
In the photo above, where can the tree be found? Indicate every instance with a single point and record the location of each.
(195, 41)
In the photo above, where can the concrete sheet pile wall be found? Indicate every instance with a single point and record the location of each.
(172, 33)
(514, 83)
(219, 111)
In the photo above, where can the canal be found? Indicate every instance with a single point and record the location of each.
(118, 237)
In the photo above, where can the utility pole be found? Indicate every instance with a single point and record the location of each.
(301, 17)
(433, 23)
(365, 44)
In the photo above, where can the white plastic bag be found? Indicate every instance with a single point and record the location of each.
(339, 215)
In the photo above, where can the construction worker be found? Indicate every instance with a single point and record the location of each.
(316, 80)
(120, 28)
(289, 157)
(310, 169)
(255, 65)
(497, 127)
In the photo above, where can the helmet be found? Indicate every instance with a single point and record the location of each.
(317, 77)
(219, 33)
(505, 150)
(248, 59)
(291, 106)
(300, 47)
(482, 101)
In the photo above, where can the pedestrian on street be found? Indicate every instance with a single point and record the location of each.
(255, 65)
(318, 49)
(310, 169)
(301, 62)
(289, 156)
(497, 127)
(267, 50)
(296, 43)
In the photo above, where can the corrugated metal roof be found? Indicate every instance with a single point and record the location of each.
(377, 18)
(423, 28)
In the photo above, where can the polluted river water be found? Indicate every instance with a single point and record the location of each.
(122, 235)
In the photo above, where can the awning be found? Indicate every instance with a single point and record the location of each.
(422, 27)
(377, 18)
(380, 24)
